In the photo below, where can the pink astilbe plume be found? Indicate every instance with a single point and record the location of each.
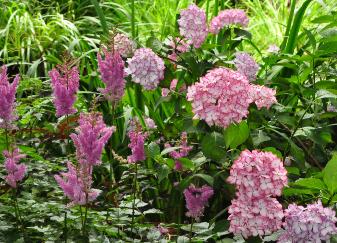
(7, 98)
(263, 96)
(181, 152)
(112, 74)
(65, 84)
(197, 199)
(228, 17)
(15, 172)
(246, 65)
(76, 185)
(137, 139)
(90, 138)
(193, 25)
(313, 223)
(221, 97)
(146, 68)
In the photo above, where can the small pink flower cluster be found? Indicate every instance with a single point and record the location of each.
(258, 177)
(92, 135)
(150, 124)
(123, 45)
(246, 65)
(165, 91)
(221, 97)
(7, 98)
(197, 199)
(15, 172)
(181, 152)
(313, 223)
(137, 139)
(228, 17)
(112, 74)
(193, 25)
(178, 46)
(263, 96)
(146, 68)
(65, 84)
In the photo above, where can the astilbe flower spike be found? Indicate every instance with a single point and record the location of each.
(76, 185)
(137, 139)
(193, 25)
(7, 98)
(15, 172)
(146, 68)
(313, 223)
(90, 138)
(221, 97)
(196, 200)
(246, 65)
(228, 17)
(112, 74)
(65, 84)
(263, 96)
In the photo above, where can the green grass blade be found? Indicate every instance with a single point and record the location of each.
(101, 16)
(289, 22)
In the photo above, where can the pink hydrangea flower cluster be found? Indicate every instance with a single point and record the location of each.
(7, 98)
(15, 172)
(76, 185)
(146, 68)
(123, 45)
(112, 74)
(183, 151)
(65, 84)
(193, 25)
(221, 97)
(137, 139)
(258, 176)
(263, 96)
(246, 65)
(228, 17)
(91, 137)
(253, 217)
(197, 199)
(178, 46)
(150, 124)
(313, 223)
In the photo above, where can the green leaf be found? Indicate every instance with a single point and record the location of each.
(213, 146)
(274, 151)
(153, 149)
(188, 164)
(311, 183)
(163, 172)
(330, 174)
(236, 134)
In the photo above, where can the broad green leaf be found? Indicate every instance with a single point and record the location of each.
(274, 151)
(153, 149)
(330, 174)
(188, 164)
(311, 183)
(213, 146)
(236, 134)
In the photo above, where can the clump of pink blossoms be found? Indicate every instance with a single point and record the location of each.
(137, 139)
(15, 172)
(246, 65)
(178, 46)
(76, 185)
(221, 97)
(258, 174)
(193, 25)
(65, 84)
(91, 137)
(146, 68)
(123, 45)
(181, 152)
(112, 74)
(313, 223)
(254, 216)
(263, 96)
(228, 17)
(196, 200)
(7, 98)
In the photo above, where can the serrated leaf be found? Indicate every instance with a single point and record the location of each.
(236, 134)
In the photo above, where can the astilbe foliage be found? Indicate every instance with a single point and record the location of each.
(90, 138)
(196, 200)
(7, 98)
(112, 74)
(146, 68)
(246, 65)
(263, 96)
(313, 223)
(15, 171)
(228, 17)
(193, 25)
(221, 97)
(65, 84)
(137, 139)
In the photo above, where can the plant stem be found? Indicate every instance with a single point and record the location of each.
(191, 232)
(7, 139)
(65, 230)
(134, 199)
(133, 19)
